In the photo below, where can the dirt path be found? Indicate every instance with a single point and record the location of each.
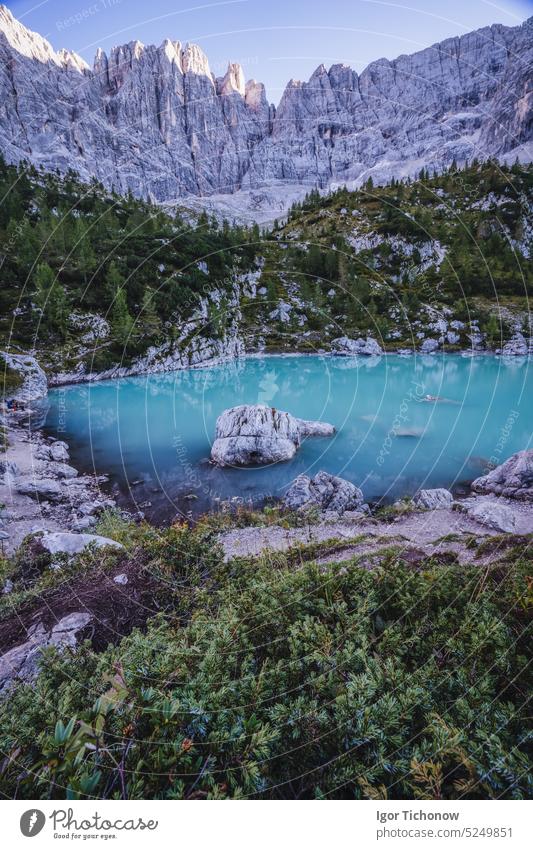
(424, 531)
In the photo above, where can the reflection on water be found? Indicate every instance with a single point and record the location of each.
(157, 430)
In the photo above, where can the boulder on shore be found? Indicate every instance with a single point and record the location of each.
(72, 544)
(45, 489)
(513, 479)
(433, 499)
(518, 346)
(346, 347)
(254, 435)
(493, 515)
(429, 346)
(325, 491)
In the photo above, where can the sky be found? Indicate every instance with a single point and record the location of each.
(274, 40)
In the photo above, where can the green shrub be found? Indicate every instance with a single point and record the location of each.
(290, 681)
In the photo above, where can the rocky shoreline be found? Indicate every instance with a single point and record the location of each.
(39, 489)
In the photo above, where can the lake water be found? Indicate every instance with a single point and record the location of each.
(152, 434)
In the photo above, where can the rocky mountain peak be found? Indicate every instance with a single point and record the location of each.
(155, 121)
(32, 45)
(232, 81)
(194, 61)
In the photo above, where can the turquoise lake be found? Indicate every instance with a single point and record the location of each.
(152, 434)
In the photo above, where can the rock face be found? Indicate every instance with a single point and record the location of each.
(513, 479)
(345, 347)
(324, 491)
(156, 121)
(257, 435)
(34, 382)
(433, 499)
(429, 346)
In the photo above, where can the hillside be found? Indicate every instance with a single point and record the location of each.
(94, 282)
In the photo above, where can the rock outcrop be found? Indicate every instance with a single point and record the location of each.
(156, 121)
(22, 661)
(325, 491)
(429, 346)
(257, 435)
(518, 346)
(34, 383)
(513, 479)
(345, 347)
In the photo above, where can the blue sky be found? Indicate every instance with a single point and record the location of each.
(274, 40)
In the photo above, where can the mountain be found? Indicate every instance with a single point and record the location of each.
(156, 122)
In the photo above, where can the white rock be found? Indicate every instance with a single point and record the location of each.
(72, 544)
(429, 346)
(325, 491)
(59, 451)
(516, 347)
(493, 515)
(34, 382)
(345, 347)
(433, 499)
(42, 488)
(121, 579)
(257, 435)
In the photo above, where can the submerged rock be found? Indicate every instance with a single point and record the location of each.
(433, 499)
(345, 347)
(325, 491)
(254, 435)
(513, 479)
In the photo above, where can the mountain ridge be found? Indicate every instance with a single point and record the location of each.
(157, 122)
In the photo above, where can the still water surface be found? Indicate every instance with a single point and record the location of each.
(152, 434)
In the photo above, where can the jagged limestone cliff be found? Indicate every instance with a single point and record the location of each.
(155, 120)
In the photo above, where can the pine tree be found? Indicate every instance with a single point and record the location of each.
(51, 298)
(121, 320)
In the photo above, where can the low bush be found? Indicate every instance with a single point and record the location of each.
(286, 680)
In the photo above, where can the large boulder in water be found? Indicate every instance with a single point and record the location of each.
(325, 491)
(513, 479)
(254, 435)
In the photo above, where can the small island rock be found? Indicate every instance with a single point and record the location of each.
(254, 435)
